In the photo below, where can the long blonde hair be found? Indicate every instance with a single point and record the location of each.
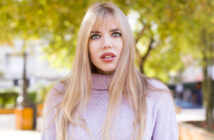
(126, 81)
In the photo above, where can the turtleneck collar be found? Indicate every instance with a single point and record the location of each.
(100, 81)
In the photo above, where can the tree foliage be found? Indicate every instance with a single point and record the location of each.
(165, 31)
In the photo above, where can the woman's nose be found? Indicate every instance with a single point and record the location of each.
(107, 42)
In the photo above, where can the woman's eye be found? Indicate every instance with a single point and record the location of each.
(95, 36)
(116, 34)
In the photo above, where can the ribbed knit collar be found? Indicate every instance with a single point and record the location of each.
(100, 81)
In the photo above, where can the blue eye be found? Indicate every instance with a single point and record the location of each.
(95, 36)
(116, 34)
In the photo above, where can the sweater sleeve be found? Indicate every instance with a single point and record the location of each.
(52, 102)
(166, 127)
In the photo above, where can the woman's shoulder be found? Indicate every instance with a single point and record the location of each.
(59, 87)
(158, 91)
(159, 98)
(57, 91)
(157, 84)
(54, 96)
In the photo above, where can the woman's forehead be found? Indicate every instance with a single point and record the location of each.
(107, 21)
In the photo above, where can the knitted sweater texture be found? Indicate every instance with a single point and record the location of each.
(161, 121)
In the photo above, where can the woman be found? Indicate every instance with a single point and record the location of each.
(105, 96)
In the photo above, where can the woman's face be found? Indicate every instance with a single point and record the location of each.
(105, 45)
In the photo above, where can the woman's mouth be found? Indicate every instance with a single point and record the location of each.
(107, 57)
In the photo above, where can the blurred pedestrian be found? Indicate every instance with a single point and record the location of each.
(179, 89)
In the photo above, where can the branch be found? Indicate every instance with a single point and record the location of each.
(139, 35)
(143, 58)
(148, 51)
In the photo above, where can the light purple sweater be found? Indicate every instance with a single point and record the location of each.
(161, 121)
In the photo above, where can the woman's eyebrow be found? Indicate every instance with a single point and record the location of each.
(95, 32)
(115, 30)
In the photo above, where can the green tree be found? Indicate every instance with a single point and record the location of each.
(165, 31)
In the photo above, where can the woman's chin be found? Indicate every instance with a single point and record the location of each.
(105, 71)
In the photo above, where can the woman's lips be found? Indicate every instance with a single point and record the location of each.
(107, 57)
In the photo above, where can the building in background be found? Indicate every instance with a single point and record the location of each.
(38, 69)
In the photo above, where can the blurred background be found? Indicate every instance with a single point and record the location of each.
(174, 43)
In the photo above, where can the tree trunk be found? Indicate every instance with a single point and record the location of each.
(208, 92)
(23, 99)
(142, 59)
(25, 83)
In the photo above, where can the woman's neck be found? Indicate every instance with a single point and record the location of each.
(101, 81)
